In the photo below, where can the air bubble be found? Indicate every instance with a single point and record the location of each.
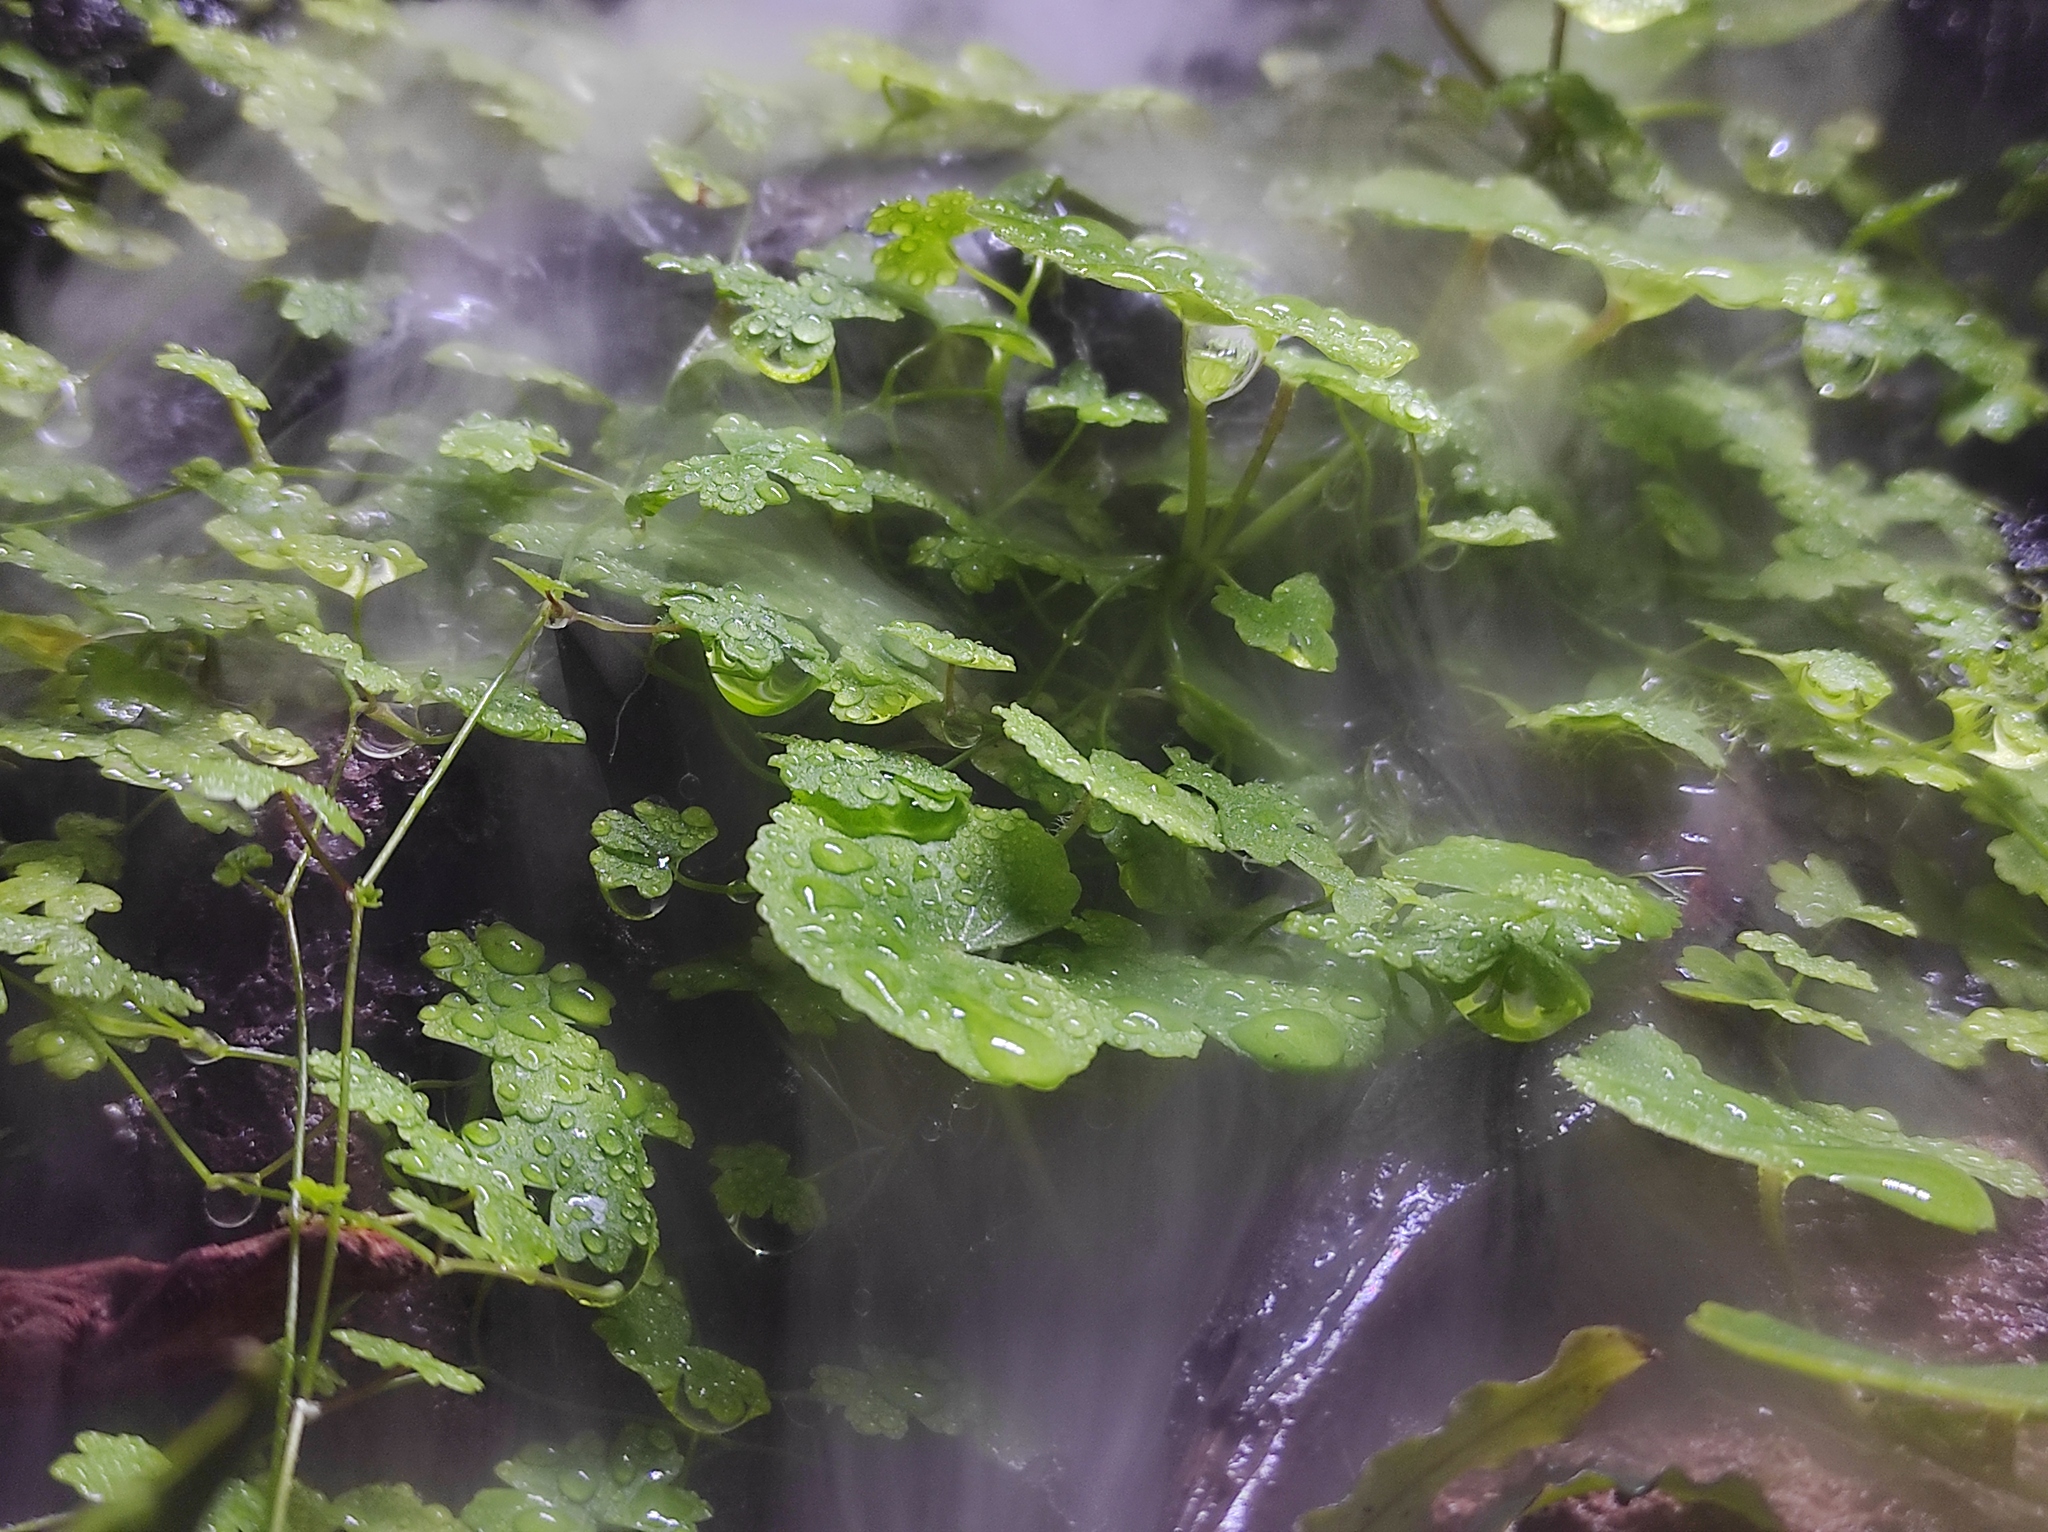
(203, 1047)
(631, 904)
(68, 425)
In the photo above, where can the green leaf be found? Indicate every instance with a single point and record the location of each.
(1787, 953)
(1294, 622)
(84, 230)
(754, 1181)
(491, 362)
(691, 178)
(642, 850)
(1194, 288)
(905, 957)
(985, 98)
(973, 314)
(1487, 1425)
(1650, 268)
(1833, 682)
(103, 1465)
(1820, 893)
(884, 1395)
(574, 1122)
(1656, 1084)
(1626, 15)
(221, 376)
(865, 791)
(28, 376)
(919, 642)
(786, 329)
(1658, 716)
(1265, 822)
(1115, 780)
(1747, 980)
(354, 311)
(274, 524)
(44, 906)
(1392, 401)
(1081, 389)
(1773, 159)
(241, 865)
(744, 478)
(919, 253)
(1496, 529)
(634, 1485)
(762, 661)
(503, 446)
(382, 1351)
(387, 1508)
(30, 475)
(2013, 1390)
(650, 1332)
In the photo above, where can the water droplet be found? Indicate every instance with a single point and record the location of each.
(510, 950)
(578, 1486)
(1289, 1038)
(843, 856)
(228, 1207)
(612, 1142)
(1220, 361)
(379, 744)
(468, 1018)
(517, 992)
(631, 904)
(1013, 1053)
(68, 425)
(442, 954)
(764, 1236)
(1837, 363)
(526, 1024)
(862, 1301)
(484, 1133)
(579, 999)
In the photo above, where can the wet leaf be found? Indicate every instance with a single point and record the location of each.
(354, 311)
(491, 362)
(2015, 1390)
(1747, 980)
(634, 1485)
(1496, 529)
(1294, 622)
(1656, 1084)
(919, 252)
(642, 850)
(884, 1395)
(503, 446)
(102, 1465)
(1487, 1425)
(1263, 821)
(745, 477)
(1650, 268)
(754, 1181)
(650, 1332)
(1115, 780)
(1658, 716)
(28, 376)
(84, 230)
(1820, 893)
(382, 1351)
(1787, 953)
(217, 374)
(786, 329)
(694, 180)
(1081, 389)
(865, 791)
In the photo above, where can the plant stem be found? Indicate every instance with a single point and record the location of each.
(1461, 45)
(1039, 478)
(1560, 18)
(1274, 516)
(303, 1410)
(1276, 420)
(1195, 526)
(156, 1113)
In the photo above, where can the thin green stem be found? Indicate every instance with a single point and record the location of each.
(1003, 290)
(303, 1411)
(296, 1212)
(156, 1113)
(1276, 515)
(1276, 421)
(252, 436)
(1461, 45)
(600, 1296)
(838, 397)
(595, 482)
(1040, 477)
(1194, 526)
(1560, 18)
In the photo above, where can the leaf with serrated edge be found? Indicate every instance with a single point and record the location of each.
(642, 850)
(1294, 622)
(1115, 780)
(1820, 893)
(755, 1181)
(1787, 953)
(382, 1351)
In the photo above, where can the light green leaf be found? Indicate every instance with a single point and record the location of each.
(354, 311)
(2013, 1390)
(221, 376)
(886, 1393)
(1496, 529)
(1772, 158)
(503, 446)
(103, 1465)
(1658, 716)
(1747, 980)
(694, 180)
(1265, 822)
(865, 791)
(1392, 401)
(918, 642)
(1787, 953)
(958, 311)
(1821, 893)
(786, 329)
(1652, 267)
(1487, 1425)
(919, 253)
(739, 482)
(491, 362)
(762, 661)
(1656, 1084)
(28, 376)
(382, 1351)
(1626, 15)
(642, 850)
(754, 1181)
(1081, 389)
(1115, 780)
(1294, 622)
(1833, 682)
(905, 957)
(650, 1332)
(84, 230)
(634, 1485)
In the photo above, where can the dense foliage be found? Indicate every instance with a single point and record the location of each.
(1035, 661)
